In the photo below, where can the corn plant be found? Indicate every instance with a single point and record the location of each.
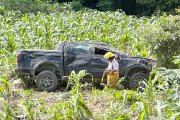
(5, 91)
(8, 112)
(143, 110)
(75, 81)
(29, 106)
(150, 90)
(74, 108)
(127, 96)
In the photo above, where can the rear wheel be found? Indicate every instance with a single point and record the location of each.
(46, 80)
(135, 79)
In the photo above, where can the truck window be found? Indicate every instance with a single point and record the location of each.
(99, 51)
(79, 49)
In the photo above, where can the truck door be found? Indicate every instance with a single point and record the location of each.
(76, 57)
(98, 63)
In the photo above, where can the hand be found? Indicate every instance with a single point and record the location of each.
(106, 71)
(103, 84)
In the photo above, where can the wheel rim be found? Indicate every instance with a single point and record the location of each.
(137, 80)
(46, 81)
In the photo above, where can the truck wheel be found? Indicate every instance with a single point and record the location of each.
(135, 79)
(46, 80)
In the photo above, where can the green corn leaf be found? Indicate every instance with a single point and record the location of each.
(134, 107)
(160, 117)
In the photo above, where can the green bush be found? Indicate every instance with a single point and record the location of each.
(164, 40)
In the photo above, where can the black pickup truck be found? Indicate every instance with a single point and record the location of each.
(47, 67)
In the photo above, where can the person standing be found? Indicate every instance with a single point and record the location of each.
(112, 71)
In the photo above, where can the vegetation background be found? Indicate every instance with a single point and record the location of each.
(130, 7)
(139, 28)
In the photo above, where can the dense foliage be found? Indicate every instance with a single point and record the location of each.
(152, 6)
(40, 25)
(130, 7)
(165, 42)
(136, 7)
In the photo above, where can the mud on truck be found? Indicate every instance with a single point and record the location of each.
(46, 68)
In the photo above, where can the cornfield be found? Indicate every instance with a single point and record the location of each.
(22, 29)
(42, 31)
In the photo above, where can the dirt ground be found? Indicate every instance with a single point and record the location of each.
(18, 95)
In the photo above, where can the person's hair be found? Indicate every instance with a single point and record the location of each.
(111, 58)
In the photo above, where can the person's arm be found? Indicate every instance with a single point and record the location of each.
(107, 68)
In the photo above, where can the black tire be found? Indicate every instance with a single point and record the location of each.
(46, 80)
(135, 79)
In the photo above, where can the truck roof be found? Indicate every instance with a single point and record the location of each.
(88, 43)
(95, 44)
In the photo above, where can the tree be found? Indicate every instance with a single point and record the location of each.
(163, 5)
(105, 5)
(110, 5)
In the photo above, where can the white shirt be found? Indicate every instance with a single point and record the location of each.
(115, 65)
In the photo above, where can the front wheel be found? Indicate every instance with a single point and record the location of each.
(46, 80)
(135, 79)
